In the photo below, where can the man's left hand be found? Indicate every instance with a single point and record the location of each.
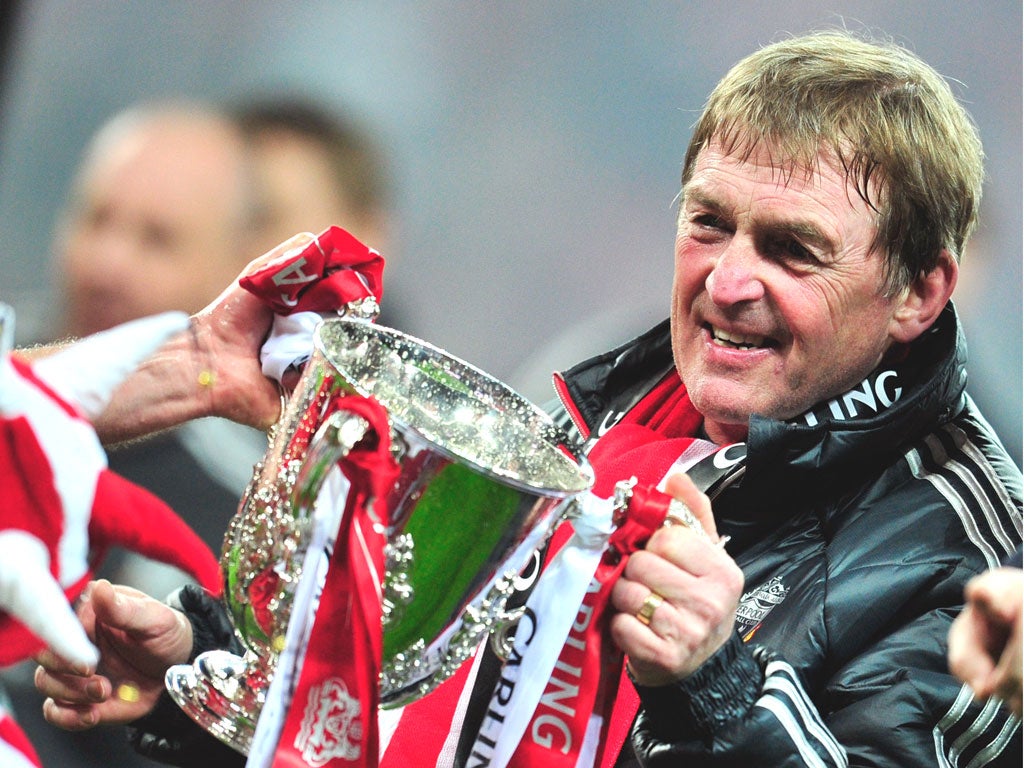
(699, 587)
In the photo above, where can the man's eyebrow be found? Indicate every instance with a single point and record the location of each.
(801, 229)
(700, 196)
(804, 231)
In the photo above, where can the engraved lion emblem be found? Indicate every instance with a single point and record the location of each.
(331, 727)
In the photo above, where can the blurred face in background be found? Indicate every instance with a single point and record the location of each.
(297, 191)
(155, 221)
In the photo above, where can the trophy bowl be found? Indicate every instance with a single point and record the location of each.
(483, 476)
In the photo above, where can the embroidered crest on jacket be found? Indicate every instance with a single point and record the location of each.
(757, 604)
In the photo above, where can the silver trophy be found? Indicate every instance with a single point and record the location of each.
(484, 475)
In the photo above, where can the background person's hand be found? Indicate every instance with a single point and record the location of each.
(230, 333)
(138, 638)
(700, 586)
(212, 370)
(985, 639)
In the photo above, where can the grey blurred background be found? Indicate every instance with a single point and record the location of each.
(535, 146)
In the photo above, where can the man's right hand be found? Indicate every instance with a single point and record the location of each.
(985, 639)
(138, 637)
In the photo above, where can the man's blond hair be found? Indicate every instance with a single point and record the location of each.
(909, 148)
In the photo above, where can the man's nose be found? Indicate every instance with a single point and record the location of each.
(736, 276)
(112, 247)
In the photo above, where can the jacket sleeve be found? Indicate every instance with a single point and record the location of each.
(893, 706)
(742, 707)
(167, 734)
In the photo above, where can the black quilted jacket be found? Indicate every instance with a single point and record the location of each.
(856, 527)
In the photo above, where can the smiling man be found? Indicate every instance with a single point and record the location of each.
(827, 194)
(780, 295)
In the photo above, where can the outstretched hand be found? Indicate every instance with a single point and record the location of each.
(229, 334)
(985, 639)
(138, 638)
(213, 370)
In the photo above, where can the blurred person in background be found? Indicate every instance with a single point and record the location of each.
(312, 170)
(176, 200)
(158, 219)
(155, 217)
(170, 202)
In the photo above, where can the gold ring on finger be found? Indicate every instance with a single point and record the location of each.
(127, 692)
(648, 607)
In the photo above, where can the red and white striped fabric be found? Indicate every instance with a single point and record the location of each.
(15, 749)
(60, 506)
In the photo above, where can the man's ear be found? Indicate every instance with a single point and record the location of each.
(924, 299)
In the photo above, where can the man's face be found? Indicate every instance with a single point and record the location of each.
(778, 301)
(155, 225)
(298, 192)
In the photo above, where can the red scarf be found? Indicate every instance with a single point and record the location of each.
(588, 708)
(574, 717)
(332, 717)
(325, 275)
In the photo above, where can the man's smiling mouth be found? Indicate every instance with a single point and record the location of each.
(734, 340)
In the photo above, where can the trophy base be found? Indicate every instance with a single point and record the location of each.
(221, 692)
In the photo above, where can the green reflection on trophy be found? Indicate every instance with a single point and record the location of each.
(484, 475)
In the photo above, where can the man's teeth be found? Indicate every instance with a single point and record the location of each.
(737, 340)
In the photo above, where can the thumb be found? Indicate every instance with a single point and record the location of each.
(683, 489)
(997, 593)
(132, 613)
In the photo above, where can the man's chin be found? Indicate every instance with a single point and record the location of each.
(724, 401)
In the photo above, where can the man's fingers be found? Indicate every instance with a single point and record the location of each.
(681, 487)
(997, 592)
(53, 663)
(72, 689)
(79, 710)
(70, 717)
(969, 658)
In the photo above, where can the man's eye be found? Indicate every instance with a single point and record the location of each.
(796, 251)
(156, 236)
(95, 217)
(709, 220)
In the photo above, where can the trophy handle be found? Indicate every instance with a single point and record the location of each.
(333, 441)
(223, 692)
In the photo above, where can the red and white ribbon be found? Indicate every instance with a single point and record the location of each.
(321, 709)
(552, 704)
(305, 284)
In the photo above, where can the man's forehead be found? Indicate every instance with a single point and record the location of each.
(767, 160)
(716, 170)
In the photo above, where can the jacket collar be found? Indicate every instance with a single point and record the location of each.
(863, 427)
